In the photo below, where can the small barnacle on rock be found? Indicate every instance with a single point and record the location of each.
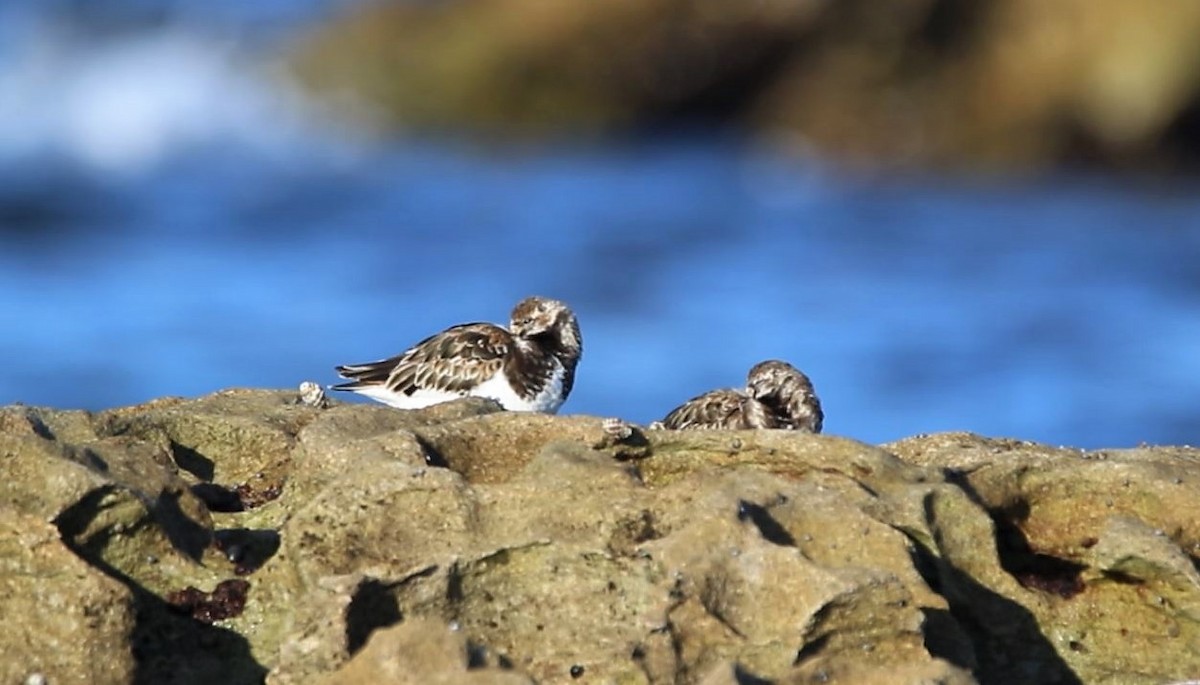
(313, 395)
(626, 440)
(616, 428)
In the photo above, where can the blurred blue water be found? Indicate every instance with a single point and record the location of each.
(170, 225)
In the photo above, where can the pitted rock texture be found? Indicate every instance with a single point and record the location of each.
(465, 544)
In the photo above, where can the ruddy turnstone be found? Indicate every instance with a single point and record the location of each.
(530, 366)
(788, 393)
(777, 395)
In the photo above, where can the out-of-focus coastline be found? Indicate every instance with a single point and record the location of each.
(996, 84)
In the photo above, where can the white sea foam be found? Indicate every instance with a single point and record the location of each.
(126, 101)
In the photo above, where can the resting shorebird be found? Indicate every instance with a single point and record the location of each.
(788, 393)
(530, 366)
(777, 395)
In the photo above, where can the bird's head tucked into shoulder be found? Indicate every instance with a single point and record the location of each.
(777, 379)
(547, 319)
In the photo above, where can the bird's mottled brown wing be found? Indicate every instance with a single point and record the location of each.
(788, 394)
(719, 409)
(804, 413)
(454, 361)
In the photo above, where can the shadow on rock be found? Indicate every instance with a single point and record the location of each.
(168, 647)
(1007, 641)
(193, 462)
(186, 535)
(1032, 570)
(372, 606)
(248, 549)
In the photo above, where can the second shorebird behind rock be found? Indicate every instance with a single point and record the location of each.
(777, 395)
(530, 366)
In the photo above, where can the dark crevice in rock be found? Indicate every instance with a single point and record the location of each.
(185, 535)
(1005, 638)
(86, 457)
(218, 498)
(174, 648)
(638, 656)
(73, 520)
(454, 588)
(433, 456)
(38, 425)
(771, 530)
(857, 482)
(959, 479)
(944, 636)
(946, 639)
(1031, 569)
(810, 649)
(167, 647)
(477, 655)
(247, 549)
(375, 604)
(480, 656)
(676, 643)
(1122, 578)
(193, 462)
(743, 677)
(372, 606)
(1050, 574)
(227, 500)
(925, 564)
(709, 597)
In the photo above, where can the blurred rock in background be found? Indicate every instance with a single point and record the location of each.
(1007, 84)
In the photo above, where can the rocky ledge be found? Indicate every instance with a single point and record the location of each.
(247, 537)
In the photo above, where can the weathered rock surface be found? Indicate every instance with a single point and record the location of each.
(993, 83)
(62, 619)
(244, 537)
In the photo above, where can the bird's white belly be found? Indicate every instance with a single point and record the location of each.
(497, 387)
(547, 401)
(417, 400)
